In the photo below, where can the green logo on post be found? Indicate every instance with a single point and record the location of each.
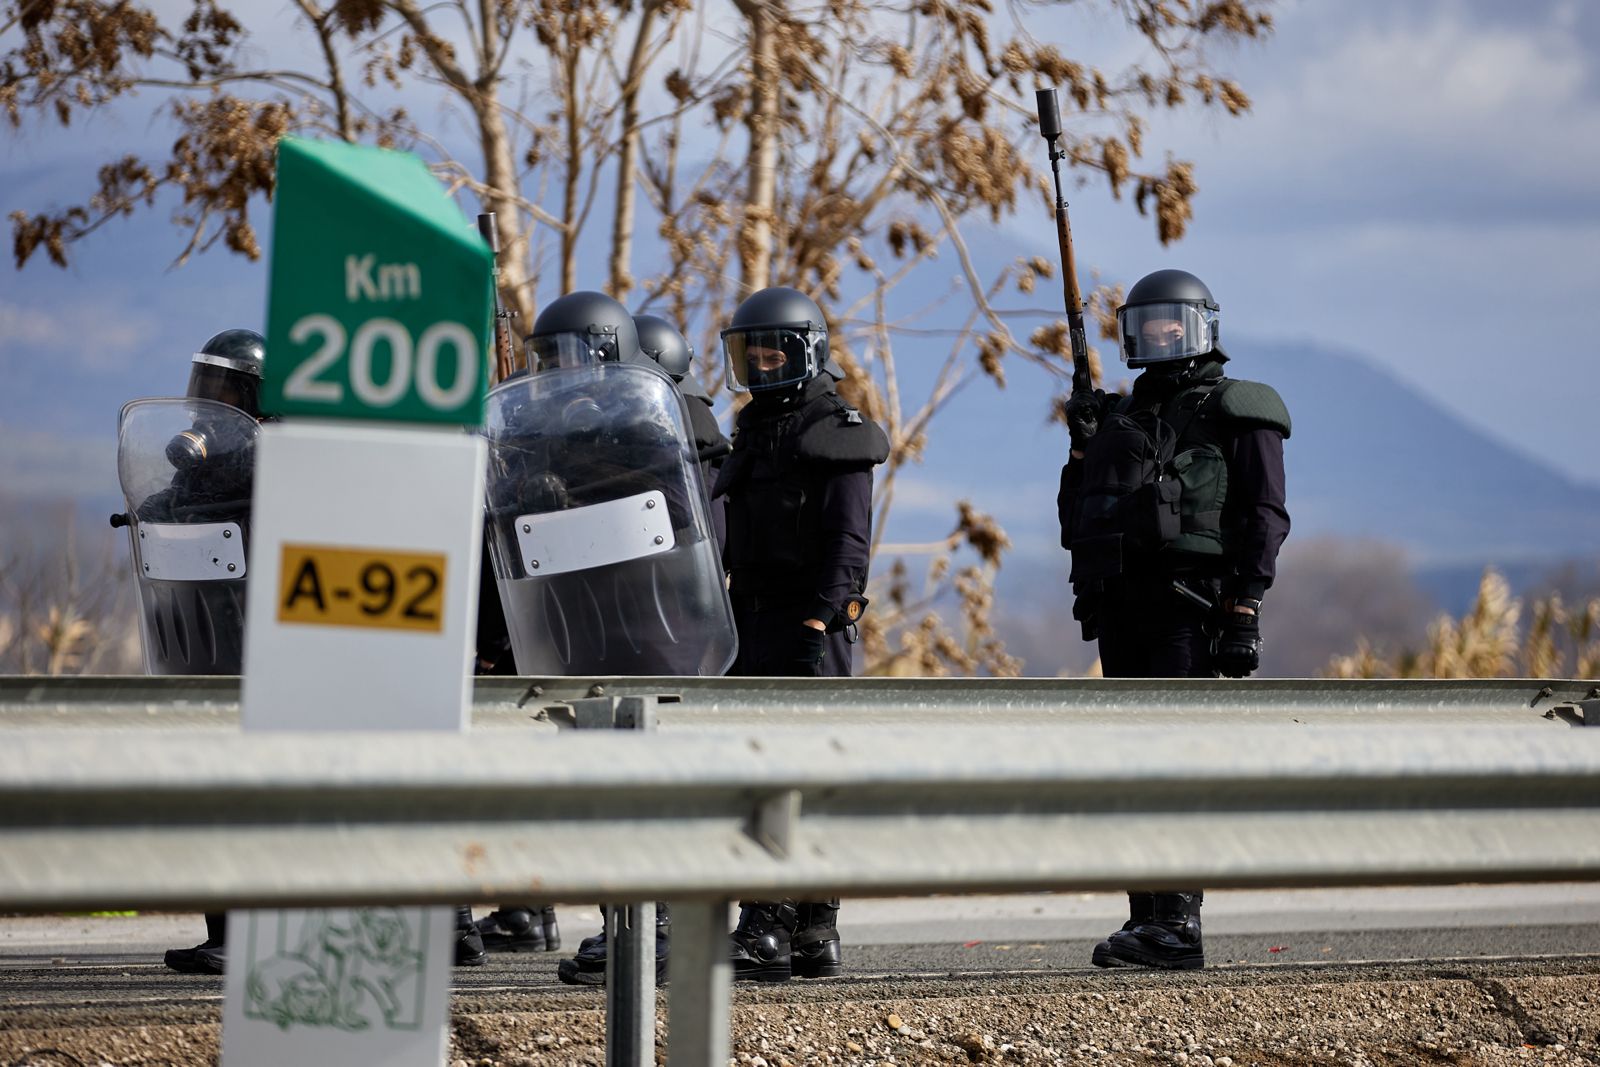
(381, 299)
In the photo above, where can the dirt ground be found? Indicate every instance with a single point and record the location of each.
(1477, 1012)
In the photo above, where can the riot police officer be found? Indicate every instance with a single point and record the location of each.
(1172, 506)
(510, 927)
(595, 447)
(575, 330)
(194, 624)
(212, 459)
(666, 345)
(580, 329)
(798, 494)
(661, 341)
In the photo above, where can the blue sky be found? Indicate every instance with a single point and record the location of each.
(1416, 182)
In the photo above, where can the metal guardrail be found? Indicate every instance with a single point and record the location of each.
(760, 789)
(714, 703)
(179, 819)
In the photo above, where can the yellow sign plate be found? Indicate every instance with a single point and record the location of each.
(369, 587)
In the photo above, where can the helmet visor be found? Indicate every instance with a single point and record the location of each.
(1156, 333)
(207, 381)
(769, 358)
(572, 349)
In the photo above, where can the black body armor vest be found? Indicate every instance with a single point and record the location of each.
(1153, 486)
(774, 479)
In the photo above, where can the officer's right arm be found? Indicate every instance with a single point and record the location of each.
(1085, 600)
(1067, 499)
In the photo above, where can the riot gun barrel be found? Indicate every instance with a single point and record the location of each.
(490, 228)
(505, 363)
(1050, 129)
(1049, 115)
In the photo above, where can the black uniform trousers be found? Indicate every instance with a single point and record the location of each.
(767, 639)
(1147, 630)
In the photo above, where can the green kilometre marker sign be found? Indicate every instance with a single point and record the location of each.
(381, 304)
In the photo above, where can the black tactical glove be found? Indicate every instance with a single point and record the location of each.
(809, 647)
(1238, 648)
(547, 492)
(1084, 411)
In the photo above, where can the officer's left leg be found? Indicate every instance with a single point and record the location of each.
(814, 947)
(815, 943)
(839, 656)
(1163, 929)
(1178, 644)
(762, 942)
(469, 943)
(520, 928)
(208, 957)
(1169, 940)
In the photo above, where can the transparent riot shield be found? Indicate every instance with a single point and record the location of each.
(186, 467)
(599, 529)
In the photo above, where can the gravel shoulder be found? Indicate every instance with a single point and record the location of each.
(511, 1014)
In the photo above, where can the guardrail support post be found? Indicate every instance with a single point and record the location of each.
(630, 928)
(631, 985)
(701, 976)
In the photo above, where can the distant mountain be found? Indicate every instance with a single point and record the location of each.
(1373, 457)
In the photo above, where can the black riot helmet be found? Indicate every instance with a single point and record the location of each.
(582, 328)
(228, 368)
(1168, 315)
(777, 339)
(661, 341)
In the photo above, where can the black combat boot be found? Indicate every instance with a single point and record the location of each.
(469, 944)
(588, 967)
(209, 956)
(814, 948)
(1170, 940)
(762, 941)
(511, 929)
(1141, 909)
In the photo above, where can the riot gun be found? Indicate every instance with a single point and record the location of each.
(1050, 130)
(504, 361)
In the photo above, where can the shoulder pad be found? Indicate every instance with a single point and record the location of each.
(1255, 405)
(842, 435)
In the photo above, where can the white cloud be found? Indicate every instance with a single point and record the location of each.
(1396, 95)
(27, 326)
(90, 343)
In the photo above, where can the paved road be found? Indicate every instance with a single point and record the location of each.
(78, 962)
